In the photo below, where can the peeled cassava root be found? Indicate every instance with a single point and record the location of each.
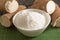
(46, 5)
(9, 5)
(56, 17)
(5, 19)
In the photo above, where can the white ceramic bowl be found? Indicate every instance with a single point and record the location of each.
(32, 32)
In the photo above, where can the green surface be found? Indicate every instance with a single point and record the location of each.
(13, 34)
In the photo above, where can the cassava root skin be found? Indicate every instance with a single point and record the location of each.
(42, 4)
(6, 19)
(55, 16)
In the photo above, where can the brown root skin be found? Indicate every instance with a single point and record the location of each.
(21, 7)
(2, 3)
(40, 4)
(8, 16)
(55, 16)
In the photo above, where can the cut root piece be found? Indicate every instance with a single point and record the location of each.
(5, 21)
(50, 7)
(55, 17)
(45, 5)
(11, 6)
(57, 23)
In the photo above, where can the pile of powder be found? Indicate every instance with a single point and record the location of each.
(30, 20)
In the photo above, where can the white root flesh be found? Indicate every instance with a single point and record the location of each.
(50, 7)
(11, 6)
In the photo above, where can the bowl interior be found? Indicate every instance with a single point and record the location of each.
(47, 16)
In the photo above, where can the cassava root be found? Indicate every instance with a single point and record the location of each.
(9, 5)
(56, 17)
(46, 5)
(6, 19)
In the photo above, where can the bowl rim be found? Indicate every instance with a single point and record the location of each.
(32, 29)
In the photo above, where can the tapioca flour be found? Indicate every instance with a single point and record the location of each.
(31, 20)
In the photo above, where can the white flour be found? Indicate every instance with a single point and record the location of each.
(31, 20)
